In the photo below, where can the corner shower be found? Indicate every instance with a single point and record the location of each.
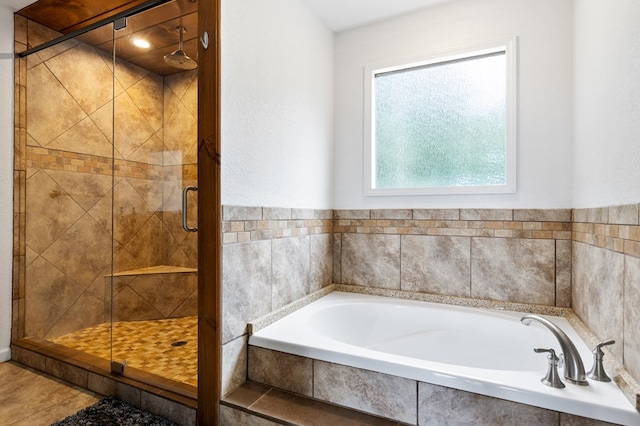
(111, 167)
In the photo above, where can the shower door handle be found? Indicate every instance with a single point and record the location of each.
(185, 225)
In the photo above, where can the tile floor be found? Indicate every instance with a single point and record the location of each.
(167, 348)
(31, 398)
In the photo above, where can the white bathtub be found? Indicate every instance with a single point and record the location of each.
(488, 352)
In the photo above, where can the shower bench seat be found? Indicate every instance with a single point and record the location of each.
(156, 292)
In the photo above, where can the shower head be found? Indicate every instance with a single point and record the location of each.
(179, 58)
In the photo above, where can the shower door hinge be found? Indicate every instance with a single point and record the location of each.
(118, 368)
(120, 23)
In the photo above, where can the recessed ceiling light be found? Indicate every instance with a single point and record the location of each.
(139, 42)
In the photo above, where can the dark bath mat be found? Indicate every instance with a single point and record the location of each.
(112, 412)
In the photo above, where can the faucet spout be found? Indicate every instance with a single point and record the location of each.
(573, 366)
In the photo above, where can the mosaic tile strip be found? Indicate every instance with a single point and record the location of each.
(52, 159)
(497, 223)
(464, 228)
(243, 224)
(615, 228)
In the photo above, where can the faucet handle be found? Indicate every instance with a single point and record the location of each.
(598, 372)
(552, 378)
(605, 343)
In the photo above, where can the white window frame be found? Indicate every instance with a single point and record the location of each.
(509, 46)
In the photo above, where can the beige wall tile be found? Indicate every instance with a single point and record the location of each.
(276, 213)
(230, 213)
(515, 270)
(170, 410)
(632, 316)
(392, 214)
(321, 261)
(289, 372)
(107, 386)
(624, 215)
(246, 286)
(540, 215)
(371, 260)
(572, 420)
(440, 265)
(72, 374)
(580, 215)
(234, 364)
(376, 393)
(352, 214)
(486, 214)
(439, 405)
(290, 269)
(337, 258)
(598, 215)
(597, 292)
(563, 273)
(436, 214)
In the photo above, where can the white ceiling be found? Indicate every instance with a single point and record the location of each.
(338, 15)
(15, 4)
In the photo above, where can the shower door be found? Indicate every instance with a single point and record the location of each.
(110, 181)
(154, 281)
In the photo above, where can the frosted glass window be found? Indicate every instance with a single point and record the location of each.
(442, 125)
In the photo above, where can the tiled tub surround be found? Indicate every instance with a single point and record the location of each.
(270, 258)
(606, 278)
(64, 176)
(528, 248)
(360, 382)
(508, 255)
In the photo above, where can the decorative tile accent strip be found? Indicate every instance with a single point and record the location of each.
(243, 224)
(51, 159)
(615, 228)
(537, 224)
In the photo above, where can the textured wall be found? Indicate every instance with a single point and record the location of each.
(606, 158)
(277, 100)
(544, 91)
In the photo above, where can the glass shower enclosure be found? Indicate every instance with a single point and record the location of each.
(111, 187)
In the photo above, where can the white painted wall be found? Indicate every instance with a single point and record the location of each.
(544, 31)
(6, 178)
(607, 103)
(277, 105)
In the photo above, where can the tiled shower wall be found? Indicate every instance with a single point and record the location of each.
(64, 178)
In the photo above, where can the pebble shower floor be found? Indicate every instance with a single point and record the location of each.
(156, 346)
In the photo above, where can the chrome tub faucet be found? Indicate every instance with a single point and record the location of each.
(573, 366)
